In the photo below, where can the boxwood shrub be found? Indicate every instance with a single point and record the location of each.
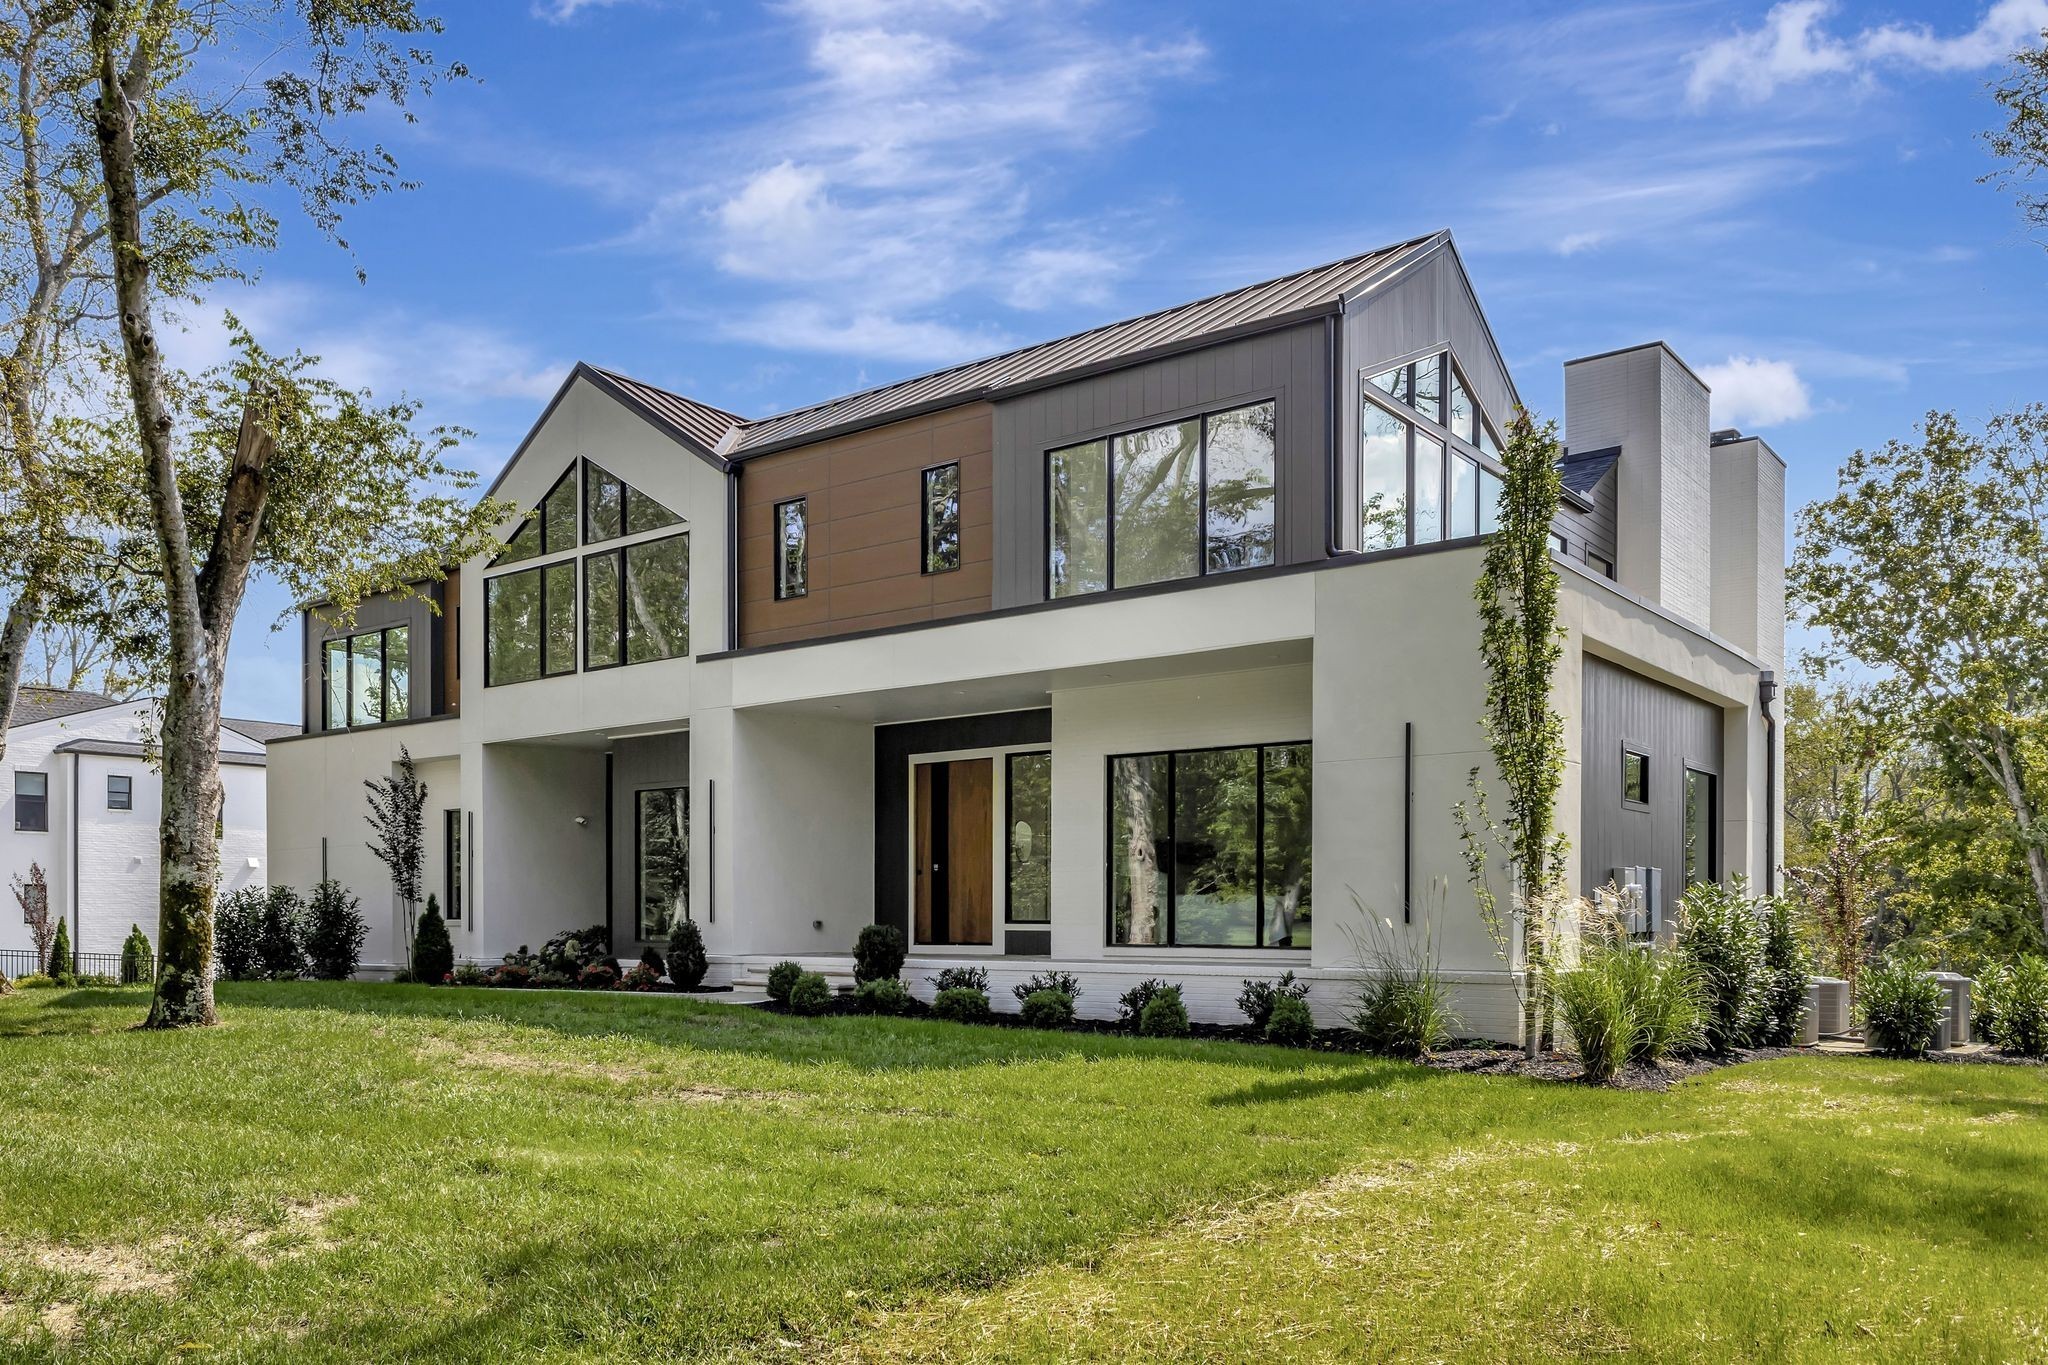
(1048, 1009)
(810, 994)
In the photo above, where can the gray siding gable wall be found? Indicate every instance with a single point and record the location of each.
(1290, 366)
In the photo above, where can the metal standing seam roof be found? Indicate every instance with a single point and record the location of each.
(729, 436)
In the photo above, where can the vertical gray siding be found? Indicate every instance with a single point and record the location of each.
(637, 764)
(1291, 366)
(1677, 732)
(1592, 531)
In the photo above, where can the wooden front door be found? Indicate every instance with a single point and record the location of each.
(954, 875)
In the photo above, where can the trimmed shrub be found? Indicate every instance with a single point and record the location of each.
(782, 978)
(1987, 996)
(961, 1005)
(1164, 1016)
(469, 974)
(1258, 998)
(1720, 931)
(598, 976)
(280, 934)
(237, 924)
(335, 930)
(34, 981)
(1130, 1007)
(1900, 1006)
(138, 959)
(1048, 1009)
(878, 954)
(960, 978)
(810, 994)
(1066, 983)
(885, 996)
(61, 958)
(433, 955)
(1779, 999)
(2019, 1023)
(1290, 1023)
(643, 976)
(513, 975)
(686, 960)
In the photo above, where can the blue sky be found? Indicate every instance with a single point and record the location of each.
(766, 205)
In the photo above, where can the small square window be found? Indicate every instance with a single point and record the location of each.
(1635, 778)
(792, 549)
(120, 792)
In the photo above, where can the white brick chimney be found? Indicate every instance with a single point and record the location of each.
(1749, 546)
(1645, 400)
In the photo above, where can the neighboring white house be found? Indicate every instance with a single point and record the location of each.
(83, 796)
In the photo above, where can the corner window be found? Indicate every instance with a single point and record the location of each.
(530, 624)
(451, 855)
(368, 678)
(939, 518)
(1211, 847)
(31, 801)
(1702, 825)
(1179, 500)
(120, 792)
(792, 549)
(661, 861)
(1027, 784)
(1635, 778)
(1426, 458)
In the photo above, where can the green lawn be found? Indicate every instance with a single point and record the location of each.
(381, 1173)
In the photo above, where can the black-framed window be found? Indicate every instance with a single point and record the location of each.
(524, 543)
(31, 800)
(451, 853)
(530, 624)
(1702, 826)
(613, 508)
(939, 518)
(366, 678)
(1427, 480)
(1635, 777)
(1174, 500)
(661, 861)
(120, 791)
(792, 549)
(558, 522)
(636, 603)
(1211, 848)
(1027, 869)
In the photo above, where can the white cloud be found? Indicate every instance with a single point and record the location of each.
(1794, 45)
(1751, 392)
(562, 11)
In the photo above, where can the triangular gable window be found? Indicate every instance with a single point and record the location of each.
(524, 544)
(1436, 388)
(613, 508)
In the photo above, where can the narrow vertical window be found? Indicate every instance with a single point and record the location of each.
(1237, 453)
(1429, 489)
(1429, 388)
(792, 549)
(604, 509)
(120, 792)
(398, 673)
(1464, 498)
(1383, 478)
(335, 654)
(1702, 825)
(31, 801)
(657, 594)
(1489, 502)
(661, 860)
(451, 855)
(1077, 501)
(602, 622)
(941, 518)
(558, 610)
(558, 516)
(366, 679)
(1156, 475)
(1028, 783)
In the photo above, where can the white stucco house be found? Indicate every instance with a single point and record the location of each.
(1144, 652)
(83, 798)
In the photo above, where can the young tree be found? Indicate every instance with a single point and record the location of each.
(1520, 644)
(397, 806)
(261, 463)
(1840, 758)
(32, 894)
(1929, 566)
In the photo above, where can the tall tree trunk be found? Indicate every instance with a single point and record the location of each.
(2012, 777)
(22, 616)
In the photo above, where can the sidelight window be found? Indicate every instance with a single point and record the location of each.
(1028, 801)
(661, 861)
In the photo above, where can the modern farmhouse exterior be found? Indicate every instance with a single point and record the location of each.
(84, 798)
(1150, 651)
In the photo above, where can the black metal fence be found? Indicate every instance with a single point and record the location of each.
(25, 962)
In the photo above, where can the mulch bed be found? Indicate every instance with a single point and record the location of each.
(1491, 1060)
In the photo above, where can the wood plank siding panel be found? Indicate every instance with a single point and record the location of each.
(863, 493)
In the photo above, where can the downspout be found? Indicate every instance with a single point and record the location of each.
(76, 927)
(1766, 693)
(732, 557)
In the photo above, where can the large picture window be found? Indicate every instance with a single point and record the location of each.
(368, 678)
(1426, 458)
(661, 860)
(1211, 848)
(530, 624)
(1028, 800)
(939, 518)
(1172, 501)
(792, 549)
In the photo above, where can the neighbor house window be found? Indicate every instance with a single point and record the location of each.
(1028, 801)
(368, 677)
(661, 860)
(120, 792)
(1427, 480)
(31, 800)
(940, 518)
(1635, 777)
(1702, 821)
(792, 549)
(530, 624)
(1211, 847)
(1172, 501)
(636, 603)
(451, 852)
